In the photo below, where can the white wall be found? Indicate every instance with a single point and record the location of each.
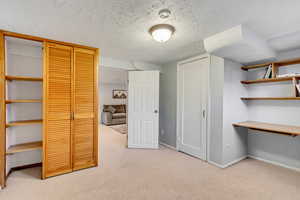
(227, 144)
(215, 117)
(234, 110)
(24, 60)
(280, 149)
(168, 99)
(106, 94)
(110, 75)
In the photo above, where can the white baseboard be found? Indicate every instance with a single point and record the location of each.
(133, 146)
(256, 158)
(228, 164)
(240, 159)
(216, 164)
(168, 146)
(235, 161)
(274, 163)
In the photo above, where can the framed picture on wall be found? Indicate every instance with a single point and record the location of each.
(119, 94)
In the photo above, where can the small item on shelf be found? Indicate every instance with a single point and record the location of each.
(268, 73)
(298, 88)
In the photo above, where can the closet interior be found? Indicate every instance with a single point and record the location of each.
(24, 91)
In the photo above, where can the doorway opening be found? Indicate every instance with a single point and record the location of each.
(113, 100)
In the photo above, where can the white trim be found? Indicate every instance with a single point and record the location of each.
(216, 164)
(177, 108)
(168, 146)
(255, 158)
(208, 125)
(235, 161)
(274, 163)
(206, 55)
(143, 147)
(228, 164)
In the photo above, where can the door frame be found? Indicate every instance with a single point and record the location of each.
(2, 111)
(208, 105)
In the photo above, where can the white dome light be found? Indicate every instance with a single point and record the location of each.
(162, 32)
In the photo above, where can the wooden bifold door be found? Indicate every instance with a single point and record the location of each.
(70, 138)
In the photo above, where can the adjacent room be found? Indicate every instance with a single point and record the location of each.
(149, 99)
(113, 104)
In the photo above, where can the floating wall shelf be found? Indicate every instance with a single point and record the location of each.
(295, 79)
(278, 79)
(270, 98)
(269, 127)
(276, 64)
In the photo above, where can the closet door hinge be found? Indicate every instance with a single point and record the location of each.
(72, 116)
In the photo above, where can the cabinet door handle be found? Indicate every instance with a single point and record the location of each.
(72, 116)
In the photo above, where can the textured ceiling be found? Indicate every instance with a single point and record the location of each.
(120, 27)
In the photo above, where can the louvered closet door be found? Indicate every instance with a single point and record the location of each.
(58, 65)
(85, 152)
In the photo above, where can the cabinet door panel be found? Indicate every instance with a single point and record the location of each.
(58, 64)
(85, 109)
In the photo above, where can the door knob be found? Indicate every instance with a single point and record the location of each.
(155, 111)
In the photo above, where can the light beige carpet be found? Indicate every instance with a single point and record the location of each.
(122, 128)
(131, 174)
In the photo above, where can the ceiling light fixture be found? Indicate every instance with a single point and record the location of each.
(162, 32)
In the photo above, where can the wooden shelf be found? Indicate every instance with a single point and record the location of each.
(270, 98)
(24, 147)
(24, 122)
(288, 62)
(279, 79)
(23, 101)
(22, 78)
(272, 128)
(246, 68)
(277, 64)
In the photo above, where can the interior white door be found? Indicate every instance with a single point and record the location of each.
(143, 109)
(192, 106)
